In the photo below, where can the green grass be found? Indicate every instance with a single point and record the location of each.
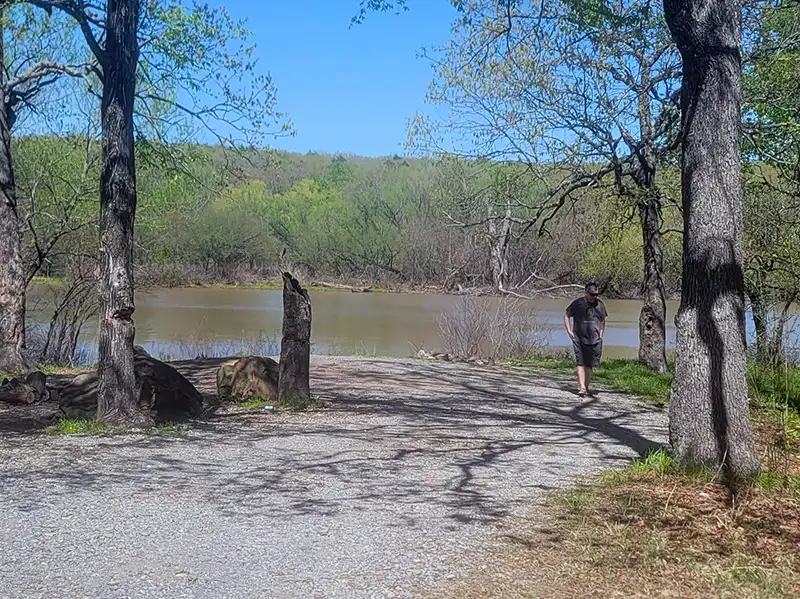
(777, 481)
(780, 384)
(656, 462)
(78, 426)
(48, 280)
(627, 376)
(90, 426)
(256, 402)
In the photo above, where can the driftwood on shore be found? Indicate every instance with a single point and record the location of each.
(293, 380)
(341, 286)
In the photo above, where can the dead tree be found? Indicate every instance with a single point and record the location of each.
(293, 385)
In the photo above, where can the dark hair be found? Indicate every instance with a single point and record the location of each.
(592, 287)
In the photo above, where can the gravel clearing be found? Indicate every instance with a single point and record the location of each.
(399, 486)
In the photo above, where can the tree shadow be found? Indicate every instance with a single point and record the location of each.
(473, 444)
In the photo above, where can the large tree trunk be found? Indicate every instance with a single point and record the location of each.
(12, 273)
(653, 316)
(117, 388)
(709, 412)
(293, 384)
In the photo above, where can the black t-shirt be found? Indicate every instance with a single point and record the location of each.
(587, 319)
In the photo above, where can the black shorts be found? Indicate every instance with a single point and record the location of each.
(587, 355)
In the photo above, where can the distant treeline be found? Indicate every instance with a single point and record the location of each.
(209, 216)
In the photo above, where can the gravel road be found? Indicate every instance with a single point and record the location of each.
(399, 486)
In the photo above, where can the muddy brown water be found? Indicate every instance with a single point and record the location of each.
(185, 323)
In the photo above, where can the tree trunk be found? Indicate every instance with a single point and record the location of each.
(776, 343)
(293, 384)
(499, 238)
(12, 272)
(652, 328)
(760, 320)
(653, 316)
(709, 412)
(117, 386)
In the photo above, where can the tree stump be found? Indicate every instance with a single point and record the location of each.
(293, 385)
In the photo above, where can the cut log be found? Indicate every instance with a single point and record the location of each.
(293, 385)
(30, 391)
(340, 286)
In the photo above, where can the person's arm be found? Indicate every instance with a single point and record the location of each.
(603, 322)
(567, 326)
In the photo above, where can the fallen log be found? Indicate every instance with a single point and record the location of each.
(340, 286)
(30, 391)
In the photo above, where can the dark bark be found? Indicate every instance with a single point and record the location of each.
(709, 412)
(117, 386)
(12, 272)
(653, 316)
(32, 390)
(293, 383)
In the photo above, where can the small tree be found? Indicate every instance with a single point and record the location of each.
(35, 53)
(583, 95)
(182, 49)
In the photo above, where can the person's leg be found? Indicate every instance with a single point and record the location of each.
(581, 370)
(592, 361)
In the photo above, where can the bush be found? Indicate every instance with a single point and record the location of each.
(491, 329)
(779, 384)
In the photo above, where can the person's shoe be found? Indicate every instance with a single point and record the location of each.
(581, 392)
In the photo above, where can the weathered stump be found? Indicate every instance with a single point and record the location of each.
(293, 385)
(247, 378)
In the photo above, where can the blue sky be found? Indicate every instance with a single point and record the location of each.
(346, 89)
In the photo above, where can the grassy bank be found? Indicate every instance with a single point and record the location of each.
(648, 531)
(767, 386)
(652, 530)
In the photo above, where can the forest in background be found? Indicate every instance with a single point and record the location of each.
(395, 222)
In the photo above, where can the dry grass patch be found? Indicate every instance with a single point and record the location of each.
(648, 533)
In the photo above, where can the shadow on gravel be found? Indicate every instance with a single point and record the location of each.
(465, 440)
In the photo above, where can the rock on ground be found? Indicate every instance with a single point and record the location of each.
(165, 393)
(403, 484)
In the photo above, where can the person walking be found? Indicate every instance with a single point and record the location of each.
(588, 314)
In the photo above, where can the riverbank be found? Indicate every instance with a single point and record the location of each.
(651, 530)
(334, 284)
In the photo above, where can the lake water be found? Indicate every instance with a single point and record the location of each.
(185, 323)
